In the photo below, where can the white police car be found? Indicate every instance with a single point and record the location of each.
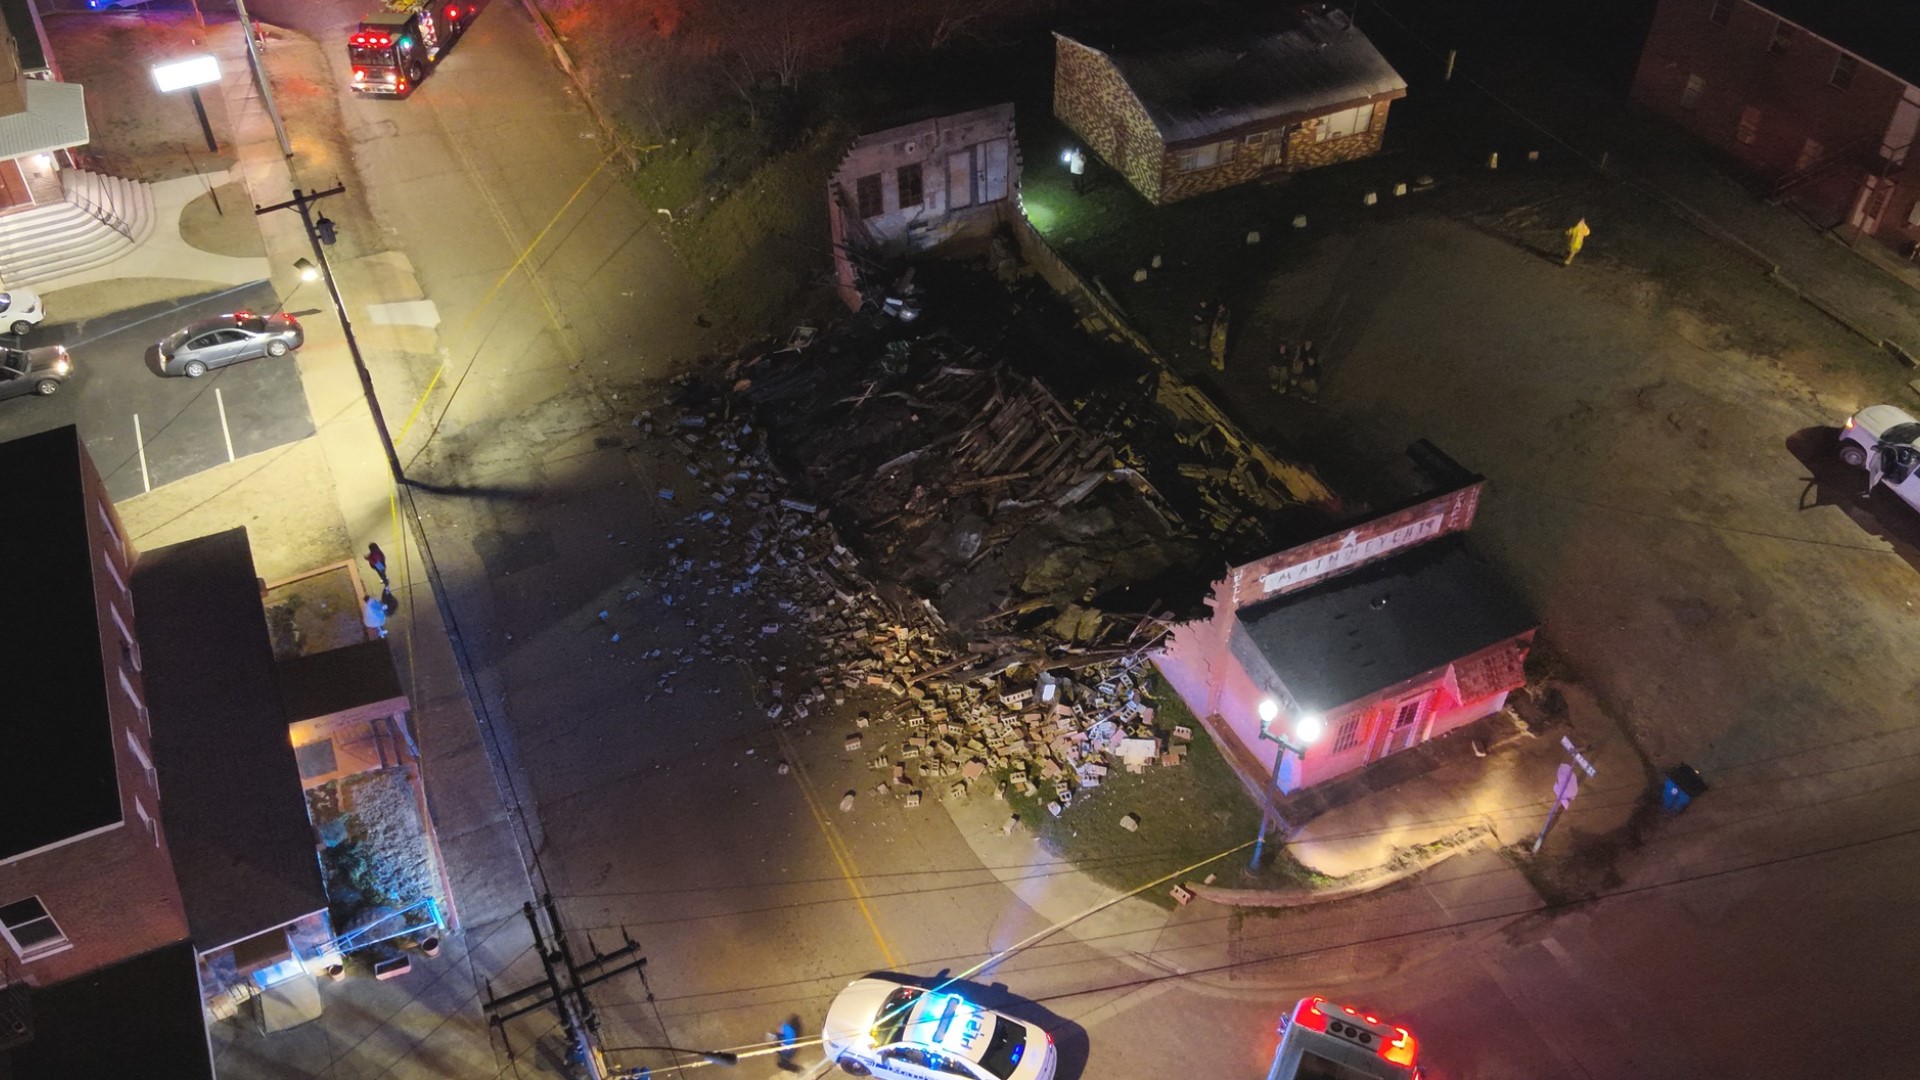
(1885, 441)
(885, 1028)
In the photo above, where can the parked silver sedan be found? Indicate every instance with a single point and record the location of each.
(222, 340)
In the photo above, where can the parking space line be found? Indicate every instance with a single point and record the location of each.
(220, 402)
(140, 443)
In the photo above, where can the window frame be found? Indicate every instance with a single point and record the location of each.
(869, 192)
(1215, 154)
(1852, 66)
(59, 943)
(1781, 43)
(1693, 90)
(919, 188)
(1347, 735)
(1720, 13)
(1364, 114)
(1746, 129)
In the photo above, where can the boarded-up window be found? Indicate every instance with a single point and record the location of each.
(1209, 156)
(1690, 97)
(1345, 122)
(1782, 38)
(1749, 126)
(1721, 13)
(977, 174)
(906, 180)
(867, 199)
(1810, 151)
(1843, 68)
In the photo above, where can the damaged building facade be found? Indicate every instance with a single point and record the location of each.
(915, 186)
(1389, 630)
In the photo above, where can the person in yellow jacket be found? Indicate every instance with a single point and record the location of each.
(1576, 239)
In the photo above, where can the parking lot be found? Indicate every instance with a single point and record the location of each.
(145, 431)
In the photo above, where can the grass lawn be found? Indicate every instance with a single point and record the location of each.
(1187, 813)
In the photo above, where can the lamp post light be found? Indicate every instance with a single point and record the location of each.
(308, 271)
(1307, 729)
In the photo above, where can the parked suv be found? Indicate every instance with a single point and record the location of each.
(39, 371)
(20, 310)
(1885, 441)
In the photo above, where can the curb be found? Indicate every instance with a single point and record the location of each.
(1460, 843)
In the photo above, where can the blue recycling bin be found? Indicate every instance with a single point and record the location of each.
(1684, 783)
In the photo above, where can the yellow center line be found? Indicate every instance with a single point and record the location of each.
(836, 846)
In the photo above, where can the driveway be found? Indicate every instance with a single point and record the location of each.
(144, 431)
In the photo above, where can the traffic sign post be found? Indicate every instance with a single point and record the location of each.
(1565, 786)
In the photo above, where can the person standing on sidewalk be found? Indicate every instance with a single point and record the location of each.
(1576, 239)
(378, 560)
(789, 1038)
(375, 616)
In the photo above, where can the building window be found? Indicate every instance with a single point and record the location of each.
(867, 197)
(114, 571)
(1348, 735)
(1344, 123)
(113, 534)
(1749, 127)
(140, 755)
(30, 930)
(1844, 66)
(1810, 151)
(1690, 97)
(1409, 712)
(1209, 156)
(1782, 38)
(907, 180)
(153, 827)
(1721, 13)
(129, 651)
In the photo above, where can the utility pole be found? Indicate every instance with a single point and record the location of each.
(565, 987)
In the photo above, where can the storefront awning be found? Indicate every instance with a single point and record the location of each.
(55, 118)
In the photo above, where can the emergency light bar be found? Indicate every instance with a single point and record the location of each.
(1390, 1041)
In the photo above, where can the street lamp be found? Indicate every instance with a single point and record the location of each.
(1307, 729)
(308, 271)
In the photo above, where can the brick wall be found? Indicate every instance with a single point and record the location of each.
(1090, 97)
(1303, 152)
(1790, 91)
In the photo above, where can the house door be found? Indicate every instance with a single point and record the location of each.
(1404, 730)
(13, 186)
(1274, 150)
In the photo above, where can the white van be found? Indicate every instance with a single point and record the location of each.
(1885, 441)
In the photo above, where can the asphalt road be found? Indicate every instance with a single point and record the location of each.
(144, 431)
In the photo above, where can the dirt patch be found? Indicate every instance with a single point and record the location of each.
(137, 131)
(223, 222)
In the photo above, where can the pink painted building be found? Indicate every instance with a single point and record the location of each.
(1389, 630)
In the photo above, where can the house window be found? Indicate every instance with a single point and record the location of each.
(1749, 127)
(867, 196)
(1782, 38)
(1721, 12)
(128, 650)
(907, 180)
(153, 827)
(1409, 712)
(30, 930)
(1810, 151)
(1844, 66)
(114, 571)
(1690, 97)
(107, 520)
(1344, 123)
(1209, 156)
(140, 755)
(1348, 735)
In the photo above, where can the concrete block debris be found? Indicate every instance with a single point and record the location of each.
(1130, 822)
(1181, 895)
(846, 802)
(853, 743)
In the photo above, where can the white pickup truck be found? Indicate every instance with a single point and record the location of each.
(1882, 440)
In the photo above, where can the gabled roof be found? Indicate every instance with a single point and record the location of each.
(56, 118)
(1206, 80)
(58, 779)
(230, 793)
(1887, 34)
(139, 1017)
(1383, 624)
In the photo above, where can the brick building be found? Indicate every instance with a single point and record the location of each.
(1389, 630)
(1204, 108)
(1818, 99)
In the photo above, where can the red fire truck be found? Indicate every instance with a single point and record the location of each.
(1323, 1041)
(392, 50)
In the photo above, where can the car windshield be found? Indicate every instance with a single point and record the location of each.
(252, 324)
(1906, 434)
(370, 57)
(1009, 1042)
(893, 1015)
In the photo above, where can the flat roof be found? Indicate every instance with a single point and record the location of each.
(338, 680)
(1217, 77)
(1382, 624)
(236, 818)
(60, 779)
(139, 1017)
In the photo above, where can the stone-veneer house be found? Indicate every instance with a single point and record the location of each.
(1209, 107)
